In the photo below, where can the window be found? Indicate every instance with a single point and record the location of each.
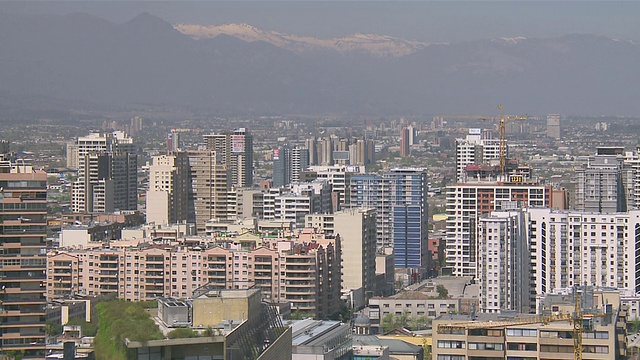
(451, 344)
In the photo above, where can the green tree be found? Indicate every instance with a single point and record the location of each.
(633, 327)
(427, 349)
(387, 323)
(401, 320)
(52, 328)
(443, 293)
(419, 323)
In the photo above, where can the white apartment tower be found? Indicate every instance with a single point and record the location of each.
(504, 262)
(477, 148)
(570, 248)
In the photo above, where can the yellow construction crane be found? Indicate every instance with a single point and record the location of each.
(577, 327)
(537, 319)
(503, 142)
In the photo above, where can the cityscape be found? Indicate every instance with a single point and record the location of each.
(166, 231)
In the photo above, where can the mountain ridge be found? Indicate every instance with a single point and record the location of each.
(80, 59)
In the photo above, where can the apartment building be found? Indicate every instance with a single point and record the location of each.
(504, 260)
(210, 187)
(107, 174)
(338, 176)
(467, 201)
(23, 233)
(235, 149)
(576, 248)
(478, 147)
(169, 189)
(357, 231)
(303, 270)
(298, 201)
(457, 337)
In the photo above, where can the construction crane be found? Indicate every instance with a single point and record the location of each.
(503, 142)
(537, 319)
(577, 327)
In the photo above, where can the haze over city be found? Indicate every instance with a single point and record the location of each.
(351, 180)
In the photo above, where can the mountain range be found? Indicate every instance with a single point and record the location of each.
(80, 60)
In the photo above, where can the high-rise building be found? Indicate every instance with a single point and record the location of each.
(601, 183)
(210, 187)
(136, 124)
(409, 217)
(357, 231)
(173, 142)
(504, 259)
(312, 147)
(553, 126)
(300, 200)
(23, 233)
(339, 178)
(325, 151)
(477, 148)
(466, 202)
(400, 199)
(169, 188)
(405, 144)
(107, 174)
(572, 248)
(288, 163)
(235, 149)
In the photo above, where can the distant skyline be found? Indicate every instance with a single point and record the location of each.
(444, 21)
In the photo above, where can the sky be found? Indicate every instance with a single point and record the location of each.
(431, 21)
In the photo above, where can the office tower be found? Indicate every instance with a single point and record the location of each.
(288, 163)
(466, 202)
(235, 149)
(409, 217)
(23, 233)
(553, 126)
(600, 182)
(357, 230)
(107, 174)
(477, 148)
(400, 199)
(368, 190)
(173, 142)
(504, 260)
(169, 187)
(210, 187)
(405, 145)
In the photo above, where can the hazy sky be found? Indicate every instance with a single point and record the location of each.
(445, 21)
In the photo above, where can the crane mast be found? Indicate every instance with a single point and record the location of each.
(503, 142)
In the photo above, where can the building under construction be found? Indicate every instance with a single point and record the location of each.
(589, 326)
